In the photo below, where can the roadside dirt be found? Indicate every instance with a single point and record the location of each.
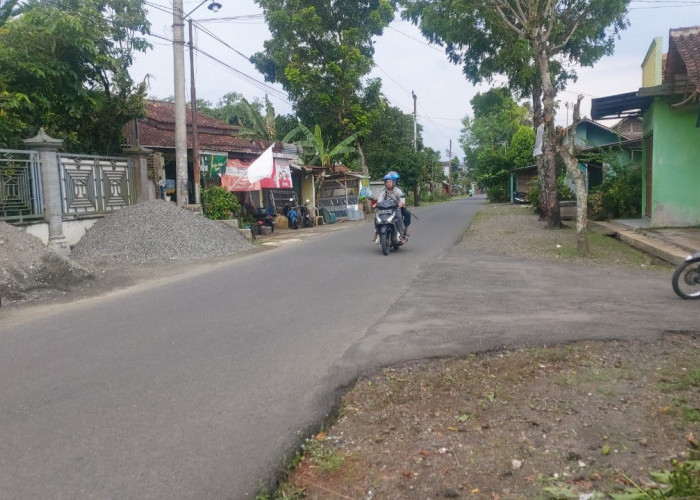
(583, 420)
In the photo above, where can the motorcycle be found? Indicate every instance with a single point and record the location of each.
(520, 198)
(385, 225)
(307, 221)
(265, 217)
(292, 213)
(686, 278)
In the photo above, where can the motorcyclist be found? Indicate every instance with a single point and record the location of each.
(392, 191)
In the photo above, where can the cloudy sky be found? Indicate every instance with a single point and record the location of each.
(405, 62)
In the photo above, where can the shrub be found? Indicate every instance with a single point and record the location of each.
(218, 203)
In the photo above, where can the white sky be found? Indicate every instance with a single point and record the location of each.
(404, 61)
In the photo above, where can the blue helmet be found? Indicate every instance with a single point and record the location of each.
(391, 176)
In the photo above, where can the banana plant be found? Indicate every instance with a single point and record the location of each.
(316, 149)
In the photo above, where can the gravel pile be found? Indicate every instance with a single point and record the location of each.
(28, 268)
(156, 232)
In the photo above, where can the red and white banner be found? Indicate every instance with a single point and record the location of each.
(237, 176)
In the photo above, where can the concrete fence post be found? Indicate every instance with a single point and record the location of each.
(139, 155)
(47, 148)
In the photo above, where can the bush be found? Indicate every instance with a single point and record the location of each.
(620, 194)
(218, 203)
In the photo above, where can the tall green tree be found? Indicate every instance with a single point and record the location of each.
(524, 40)
(321, 53)
(385, 147)
(64, 66)
(488, 137)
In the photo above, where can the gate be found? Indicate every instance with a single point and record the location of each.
(95, 184)
(20, 186)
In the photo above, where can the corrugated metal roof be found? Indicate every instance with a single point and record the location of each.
(619, 106)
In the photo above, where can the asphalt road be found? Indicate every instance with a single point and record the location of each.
(199, 387)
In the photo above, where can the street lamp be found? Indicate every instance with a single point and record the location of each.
(180, 117)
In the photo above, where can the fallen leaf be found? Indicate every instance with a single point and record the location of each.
(406, 473)
(691, 439)
(424, 453)
(321, 436)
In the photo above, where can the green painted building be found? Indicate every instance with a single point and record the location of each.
(669, 103)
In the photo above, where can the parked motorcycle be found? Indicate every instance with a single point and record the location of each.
(307, 221)
(293, 215)
(520, 198)
(385, 220)
(686, 278)
(265, 217)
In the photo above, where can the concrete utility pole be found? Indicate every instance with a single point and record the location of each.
(180, 111)
(195, 133)
(415, 126)
(180, 116)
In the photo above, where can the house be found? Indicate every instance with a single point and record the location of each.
(223, 158)
(669, 106)
(597, 146)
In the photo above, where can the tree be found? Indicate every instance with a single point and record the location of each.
(235, 109)
(524, 40)
(487, 138)
(316, 150)
(320, 52)
(521, 146)
(386, 146)
(568, 154)
(64, 66)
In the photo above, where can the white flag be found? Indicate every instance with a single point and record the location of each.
(261, 168)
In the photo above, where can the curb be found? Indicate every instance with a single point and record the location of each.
(651, 245)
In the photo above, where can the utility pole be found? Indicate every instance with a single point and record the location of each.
(195, 137)
(415, 126)
(180, 111)
(180, 116)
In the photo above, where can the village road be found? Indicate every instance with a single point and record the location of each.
(197, 388)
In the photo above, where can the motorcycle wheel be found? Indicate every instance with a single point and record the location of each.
(383, 241)
(308, 223)
(295, 224)
(686, 280)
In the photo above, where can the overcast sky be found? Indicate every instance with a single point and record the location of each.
(403, 60)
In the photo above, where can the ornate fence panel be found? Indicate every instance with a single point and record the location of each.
(95, 184)
(20, 186)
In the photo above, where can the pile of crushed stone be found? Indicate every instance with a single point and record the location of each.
(156, 232)
(27, 266)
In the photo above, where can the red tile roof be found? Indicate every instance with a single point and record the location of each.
(684, 55)
(157, 131)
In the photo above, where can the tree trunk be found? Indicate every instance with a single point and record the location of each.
(536, 121)
(552, 214)
(568, 154)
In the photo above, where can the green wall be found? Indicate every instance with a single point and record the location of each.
(676, 164)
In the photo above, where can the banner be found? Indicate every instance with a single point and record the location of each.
(281, 177)
(236, 178)
(213, 165)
